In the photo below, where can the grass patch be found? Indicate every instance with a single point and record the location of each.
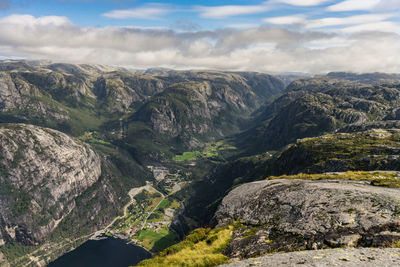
(214, 151)
(156, 240)
(93, 138)
(222, 145)
(203, 247)
(187, 156)
(395, 244)
(154, 203)
(163, 204)
(210, 151)
(377, 178)
(174, 204)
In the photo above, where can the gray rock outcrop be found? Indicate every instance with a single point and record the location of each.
(42, 171)
(288, 215)
(367, 257)
(18, 96)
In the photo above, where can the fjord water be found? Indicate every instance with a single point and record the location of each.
(103, 253)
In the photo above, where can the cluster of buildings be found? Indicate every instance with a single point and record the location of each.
(159, 172)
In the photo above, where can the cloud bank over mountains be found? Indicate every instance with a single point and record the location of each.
(297, 42)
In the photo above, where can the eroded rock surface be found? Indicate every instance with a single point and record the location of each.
(288, 215)
(330, 257)
(42, 171)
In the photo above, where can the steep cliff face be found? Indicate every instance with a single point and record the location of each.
(117, 91)
(42, 96)
(19, 98)
(211, 104)
(320, 105)
(182, 107)
(71, 98)
(42, 172)
(188, 106)
(287, 215)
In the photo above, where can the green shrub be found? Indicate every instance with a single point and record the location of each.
(203, 247)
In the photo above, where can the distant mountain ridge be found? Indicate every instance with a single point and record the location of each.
(237, 127)
(127, 120)
(54, 94)
(319, 105)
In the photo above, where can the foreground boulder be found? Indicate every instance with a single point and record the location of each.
(42, 171)
(330, 257)
(289, 215)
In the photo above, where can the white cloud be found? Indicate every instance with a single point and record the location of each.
(338, 41)
(41, 21)
(303, 2)
(217, 12)
(350, 24)
(266, 49)
(351, 20)
(351, 5)
(387, 5)
(242, 26)
(153, 11)
(384, 26)
(285, 20)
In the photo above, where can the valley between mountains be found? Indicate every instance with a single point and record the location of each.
(201, 168)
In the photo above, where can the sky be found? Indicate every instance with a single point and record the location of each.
(273, 36)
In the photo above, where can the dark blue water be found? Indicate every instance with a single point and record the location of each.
(103, 253)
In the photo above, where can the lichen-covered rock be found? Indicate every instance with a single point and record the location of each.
(42, 171)
(372, 149)
(367, 257)
(287, 215)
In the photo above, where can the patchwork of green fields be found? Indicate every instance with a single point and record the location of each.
(157, 240)
(211, 151)
(187, 156)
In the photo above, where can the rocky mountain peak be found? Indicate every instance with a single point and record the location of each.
(42, 171)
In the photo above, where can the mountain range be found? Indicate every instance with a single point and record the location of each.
(268, 160)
